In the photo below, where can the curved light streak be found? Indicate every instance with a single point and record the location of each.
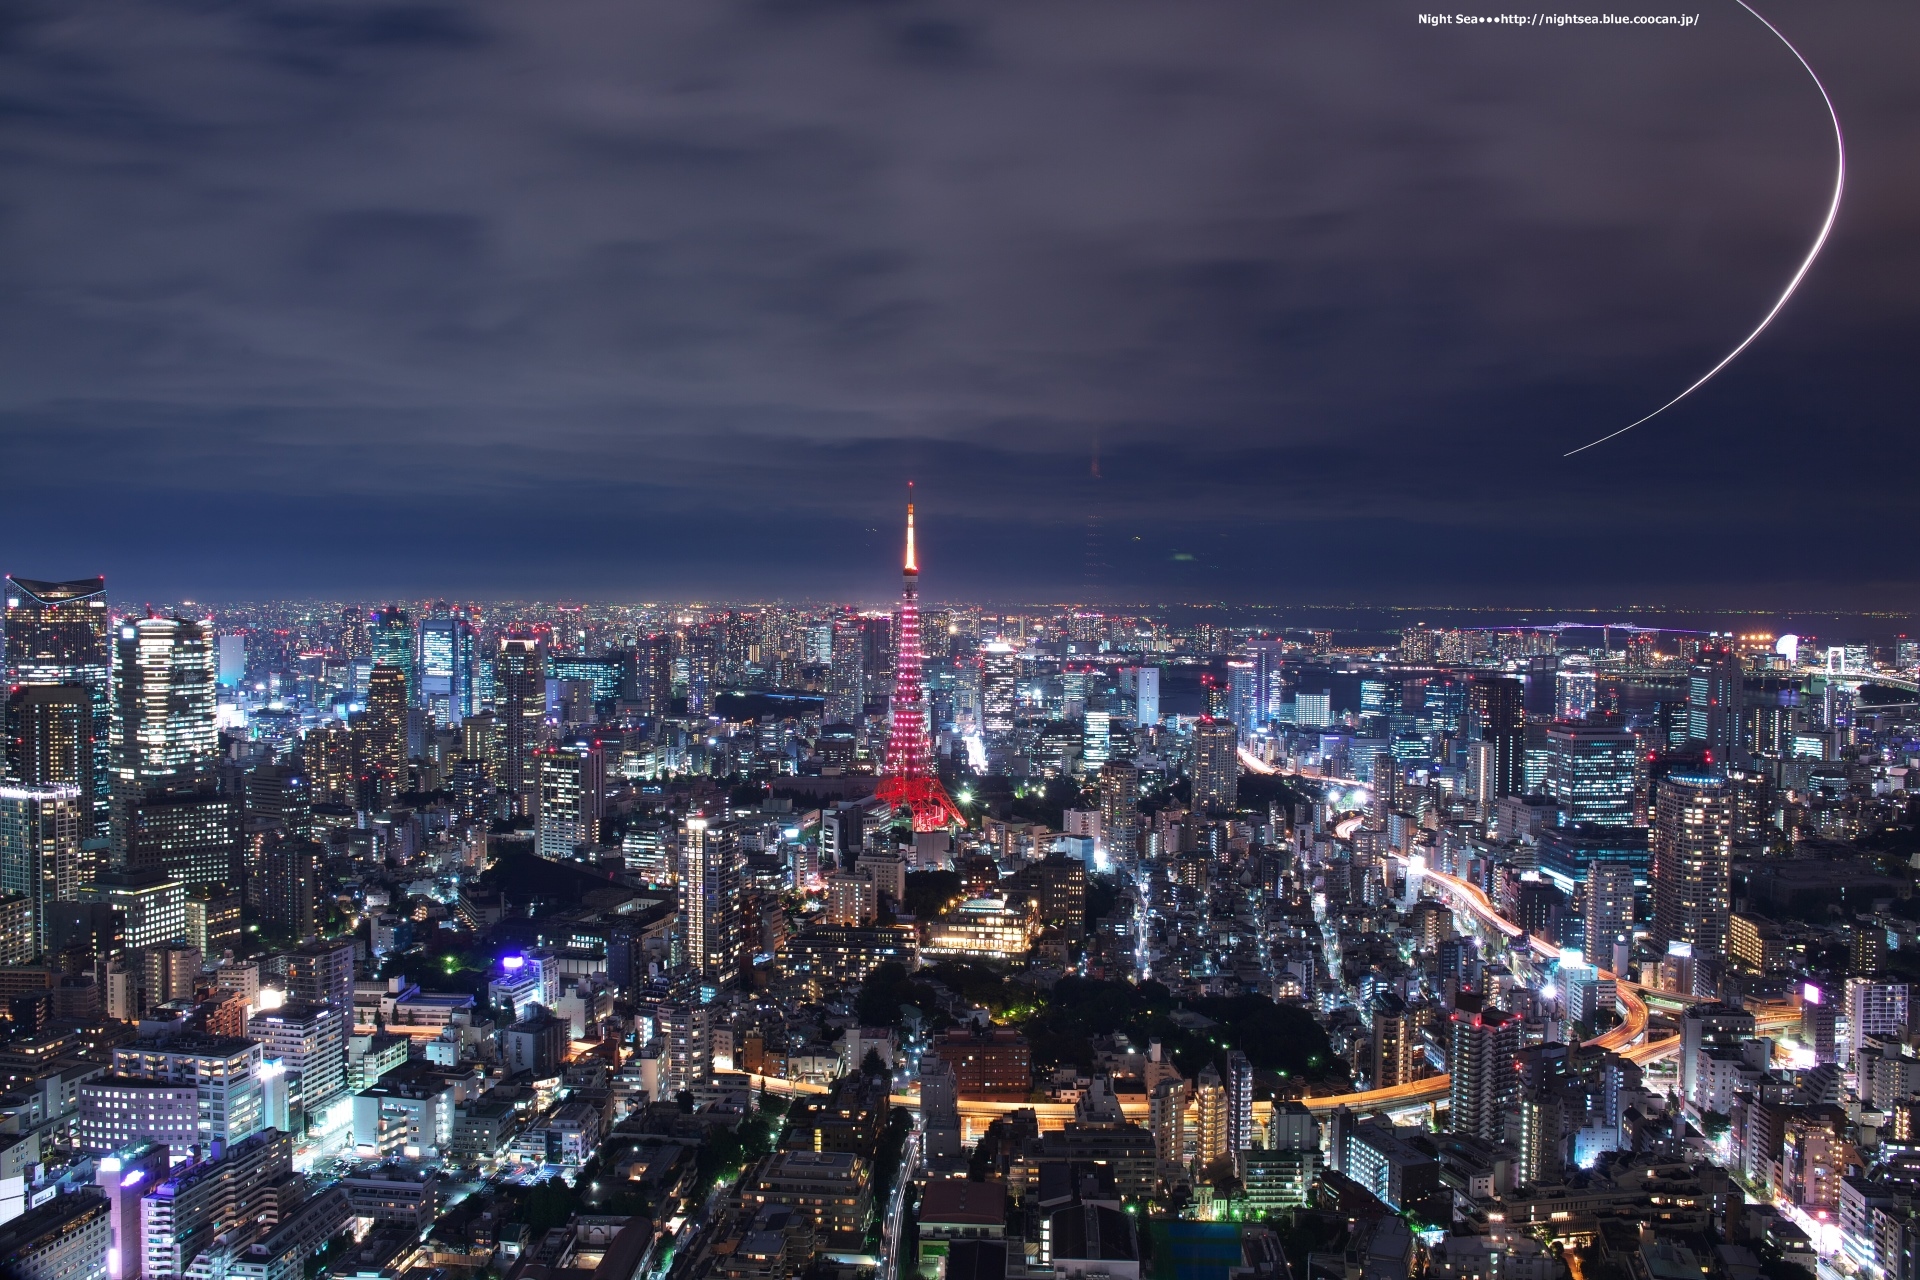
(1819, 242)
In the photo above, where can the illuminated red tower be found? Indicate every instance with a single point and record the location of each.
(909, 782)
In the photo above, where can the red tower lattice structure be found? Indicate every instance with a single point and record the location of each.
(909, 782)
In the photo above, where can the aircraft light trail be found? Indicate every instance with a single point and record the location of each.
(1819, 242)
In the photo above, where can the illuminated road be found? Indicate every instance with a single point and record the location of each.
(1254, 764)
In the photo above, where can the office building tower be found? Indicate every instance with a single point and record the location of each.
(279, 793)
(213, 919)
(1481, 1085)
(710, 899)
(50, 731)
(165, 739)
(999, 688)
(573, 787)
(1606, 905)
(224, 1073)
(1713, 704)
(42, 830)
(189, 836)
(1692, 861)
(149, 907)
(1591, 773)
(67, 1238)
(1239, 1085)
(847, 675)
(310, 1041)
(395, 644)
(1395, 1042)
(1216, 765)
(1497, 718)
(449, 660)
(56, 634)
(520, 702)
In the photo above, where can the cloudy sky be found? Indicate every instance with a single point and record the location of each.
(661, 297)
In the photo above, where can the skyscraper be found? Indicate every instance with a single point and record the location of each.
(395, 645)
(1607, 905)
(165, 739)
(910, 783)
(1481, 1087)
(999, 696)
(1590, 773)
(1120, 808)
(710, 899)
(1692, 856)
(41, 830)
(1494, 703)
(449, 659)
(56, 634)
(1713, 703)
(520, 698)
(383, 735)
(1216, 765)
(573, 783)
(50, 738)
(1239, 1102)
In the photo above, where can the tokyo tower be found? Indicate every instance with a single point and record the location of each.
(909, 782)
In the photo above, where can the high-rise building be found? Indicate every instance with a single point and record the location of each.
(1481, 1085)
(1498, 718)
(182, 1217)
(573, 785)
(1875, 1007)
(1395, 1041)
(710, 899)
(1210, 1116)
(56, 634)
(1606, 901)
(653, 676)
(50, 730)
(292, 891)
(1713, 703)
(1591, 773)
(449, 662)
(321, 972)
(1239, 1083)
(41, 834)
(1120, 808)
(999, 697)
(1216, 765)
(395, 644)
(165, 738)
(1692, 857)
(520, 701)
(383, 737)
(310, 1040)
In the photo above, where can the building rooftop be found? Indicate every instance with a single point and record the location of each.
(961, 1203)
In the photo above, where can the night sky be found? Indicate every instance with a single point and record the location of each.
(631, 300)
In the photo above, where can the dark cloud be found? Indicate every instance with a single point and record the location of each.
(636, 300)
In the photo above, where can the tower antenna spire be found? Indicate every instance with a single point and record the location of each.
(913, 565)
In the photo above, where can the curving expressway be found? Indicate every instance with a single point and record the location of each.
(1624, 1039)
